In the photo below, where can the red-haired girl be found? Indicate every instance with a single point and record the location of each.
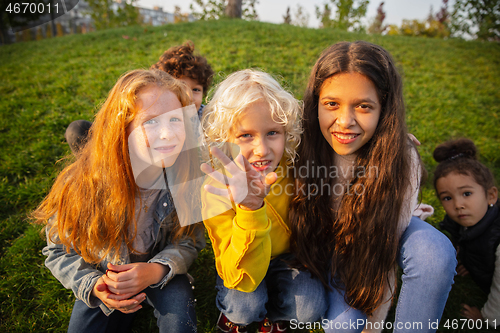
(114, 236)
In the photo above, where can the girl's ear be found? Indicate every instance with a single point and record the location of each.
(492, 195)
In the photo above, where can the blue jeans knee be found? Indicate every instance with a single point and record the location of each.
(240, 307)
(174, 305)
(85, 319)
(293, 293)
(428, 260)
(340, 317)
(285, 294)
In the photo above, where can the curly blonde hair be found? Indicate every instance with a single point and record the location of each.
(243, 88)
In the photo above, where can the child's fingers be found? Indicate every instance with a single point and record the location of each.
(101, 287)
(120, 283)
(129, 305)
(229, 165)
(271, 178)
(243, 163)
(119, 268)
(120, 297)
(207, 169)
(135, 309)
(118, 273)
(114, 276)
(461, 270)
(223, 192)
(219, 177)
(414, 139)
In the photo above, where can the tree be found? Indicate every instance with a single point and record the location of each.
(443, 15)
(347, 16)
(104, 15)
(127, 14)
(436, 26)
(287, 19)
(216, 9)
(477, 18)
(431, 27)
(101, 12)
(324, 16)
(249, 11)
(301, 17)
(179, 16)
(211, 10)
(233, 8)
(377, 26)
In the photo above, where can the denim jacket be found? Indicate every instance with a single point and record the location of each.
(79, 276)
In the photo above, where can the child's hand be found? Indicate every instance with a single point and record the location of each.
(461, 270)
(471, 312)
(121, 303)
(246, 187)
(129, 280)
(414, 139)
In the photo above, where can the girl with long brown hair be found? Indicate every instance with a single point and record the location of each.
(357, 185)
(116, 236)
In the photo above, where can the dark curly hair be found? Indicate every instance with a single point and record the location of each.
(460, 156)
(180, 61)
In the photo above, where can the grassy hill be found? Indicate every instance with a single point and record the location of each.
(451, 90)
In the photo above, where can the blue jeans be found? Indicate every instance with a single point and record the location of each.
(428, 260)
(173, 309)
(284, 294)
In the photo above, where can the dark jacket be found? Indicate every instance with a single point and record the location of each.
(477, 245)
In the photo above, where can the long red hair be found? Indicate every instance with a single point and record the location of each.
(93, 199)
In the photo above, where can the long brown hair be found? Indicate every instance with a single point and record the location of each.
(357, 245)
(93, 199)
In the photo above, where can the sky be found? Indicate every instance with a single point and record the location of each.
(274, 10)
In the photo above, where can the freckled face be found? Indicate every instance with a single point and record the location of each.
(260, 138)
(464, 200)
(157, 134)
(348, 111)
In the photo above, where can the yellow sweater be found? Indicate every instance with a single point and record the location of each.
(245, 241)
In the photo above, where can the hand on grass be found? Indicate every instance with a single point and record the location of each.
(471, 312)
(246, 186)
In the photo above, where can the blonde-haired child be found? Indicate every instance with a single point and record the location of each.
(246, 212)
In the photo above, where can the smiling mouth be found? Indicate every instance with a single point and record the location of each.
(165, 149)
(261, 165)
(345, 137)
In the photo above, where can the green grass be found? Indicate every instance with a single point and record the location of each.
(451, 90)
